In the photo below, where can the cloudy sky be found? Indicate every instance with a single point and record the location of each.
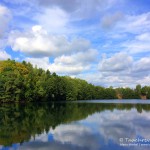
(106, 42)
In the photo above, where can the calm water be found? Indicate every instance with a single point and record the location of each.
(94, 125)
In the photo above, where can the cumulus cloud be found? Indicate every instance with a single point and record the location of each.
(124, 64)
(118, 62)
(144, 81)
(67, 64)
(58, 22)
(141, 71)
(120, 70)
(76, 63)
(67, 70)
(81, 58)
(42, 137)
(4, 55)
(39, 62)
(77, 134)
(71, 129)
(115, 125)
(38, 43)
(142, 65)
(5, 17)
(107, 79)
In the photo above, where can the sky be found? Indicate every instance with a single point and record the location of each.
(105, 42)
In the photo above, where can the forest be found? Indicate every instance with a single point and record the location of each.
(21, 82)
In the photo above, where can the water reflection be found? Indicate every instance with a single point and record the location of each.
(65, 126)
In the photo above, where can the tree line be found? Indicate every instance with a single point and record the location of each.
(21, 82)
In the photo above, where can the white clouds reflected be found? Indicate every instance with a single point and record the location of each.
(76, 134)
(116, 124)
(95, 132)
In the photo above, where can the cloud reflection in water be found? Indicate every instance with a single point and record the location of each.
(98, 131)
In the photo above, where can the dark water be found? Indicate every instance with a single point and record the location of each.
(96, 125)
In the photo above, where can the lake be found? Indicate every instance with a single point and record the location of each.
(83, 125)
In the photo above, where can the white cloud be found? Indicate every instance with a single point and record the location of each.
(107, 79)
(53, 19)
(67, 70)
(4, 55)
(5, 17)
(71, 64)
(114, 125)
(118, 62)
(38, 43)
(77, 134)
(74, 64)
(120, 70)
(72, 130)
(59, 21)
(94, 78)
(78, 58)
(142, 65)
(39, 62)
(144, 81)
(42, 137)
(65, 137)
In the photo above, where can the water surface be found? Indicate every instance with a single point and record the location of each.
(90, 125)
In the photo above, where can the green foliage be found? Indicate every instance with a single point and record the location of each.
(20, 82)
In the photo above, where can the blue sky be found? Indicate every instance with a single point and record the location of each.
(106, 42)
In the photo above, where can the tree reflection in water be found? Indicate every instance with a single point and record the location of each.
(75, 125)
